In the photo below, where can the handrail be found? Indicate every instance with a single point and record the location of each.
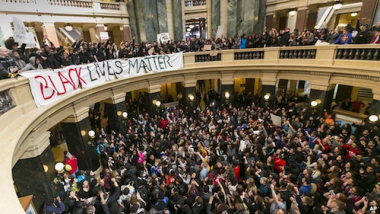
(24, 118)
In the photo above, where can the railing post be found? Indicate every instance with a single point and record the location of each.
(188, 58)
(325, 54)
(271, 55)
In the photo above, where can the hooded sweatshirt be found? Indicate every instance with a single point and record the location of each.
(32, 65)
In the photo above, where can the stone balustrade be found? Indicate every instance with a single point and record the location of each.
(322, 66)
(195, 3)
(61, 7)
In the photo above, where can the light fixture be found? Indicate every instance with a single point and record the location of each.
(59, 167)
(125, 114)
(373, 118)
(154, 102)
(68, 27)
(119, 113)
(353, 14)
(46, 168)
(292, 11)
(227, 94)
(83, 132)
(314, 103)
(91, 133)
(319, 101)
(158, 103)
(105, 27)
(191, 97)
(191, 26)
(266, 97)
(337, 5)
(121, 28)
(188, 29)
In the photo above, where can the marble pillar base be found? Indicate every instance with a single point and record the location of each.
(30, 178)
(115, 121)
(188, 104)
(151, 108)
(231, 90)
(326, 99)
(82, 147)
(265, 89)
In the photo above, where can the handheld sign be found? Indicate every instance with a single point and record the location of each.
(20, 34)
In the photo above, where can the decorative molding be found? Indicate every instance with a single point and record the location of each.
(78, 115)
(37, 145)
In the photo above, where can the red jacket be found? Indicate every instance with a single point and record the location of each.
(73, 163)
(350, 151)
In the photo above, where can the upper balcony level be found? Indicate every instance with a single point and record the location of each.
(192, 6)
(63, 7)
(355, 65)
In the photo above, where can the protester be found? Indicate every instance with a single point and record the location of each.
(232, 160)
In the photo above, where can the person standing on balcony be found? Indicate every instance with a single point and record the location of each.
(357, 105)
(345, 38)
(13, 46)
(285, 38)
(376, 36)
(8, 67)
(243, 42)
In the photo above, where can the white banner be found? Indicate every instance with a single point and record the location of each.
(48, 86)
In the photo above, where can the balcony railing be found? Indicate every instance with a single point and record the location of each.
(24, 117)
(195, 3)
(63, 7)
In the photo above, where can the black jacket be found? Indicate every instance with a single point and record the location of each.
(6, 65)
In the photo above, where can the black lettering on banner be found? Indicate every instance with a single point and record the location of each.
(167, 61)
(150, 66)
(154, 60)
(160, 62)
(110, 71)
(99, 70)
(91, 78)
(118, 65)
(134, 65)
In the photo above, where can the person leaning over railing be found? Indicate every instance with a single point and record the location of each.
(8, 67)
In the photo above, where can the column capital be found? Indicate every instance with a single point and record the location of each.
(269, 78)
(77, 116)
(190, 80)
(376, 94)
(227, 78)
(116, 98)
(37, 142)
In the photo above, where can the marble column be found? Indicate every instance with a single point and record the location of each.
(215, 16)
(34, 173)
(189, 104)
(150, 107)
(245, 16)
(367, 12)
(75, 131)
(151, 18)
(126, 33)
(232, 16)
(140, 15)
(114, 109)
(99, 29)
(162, 16)
(269, 22)
(169, 13)
(135, 31)
(301, 19)
(223, 16)
(231, 91)
(177, 19)
(271, 91)
(311, 20)
(324, 96)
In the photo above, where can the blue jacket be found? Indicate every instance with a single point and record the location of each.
(53, 208)
(347, 41)
(243, 43)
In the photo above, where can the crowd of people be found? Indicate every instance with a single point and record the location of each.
(15, 59)
(228, 159)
